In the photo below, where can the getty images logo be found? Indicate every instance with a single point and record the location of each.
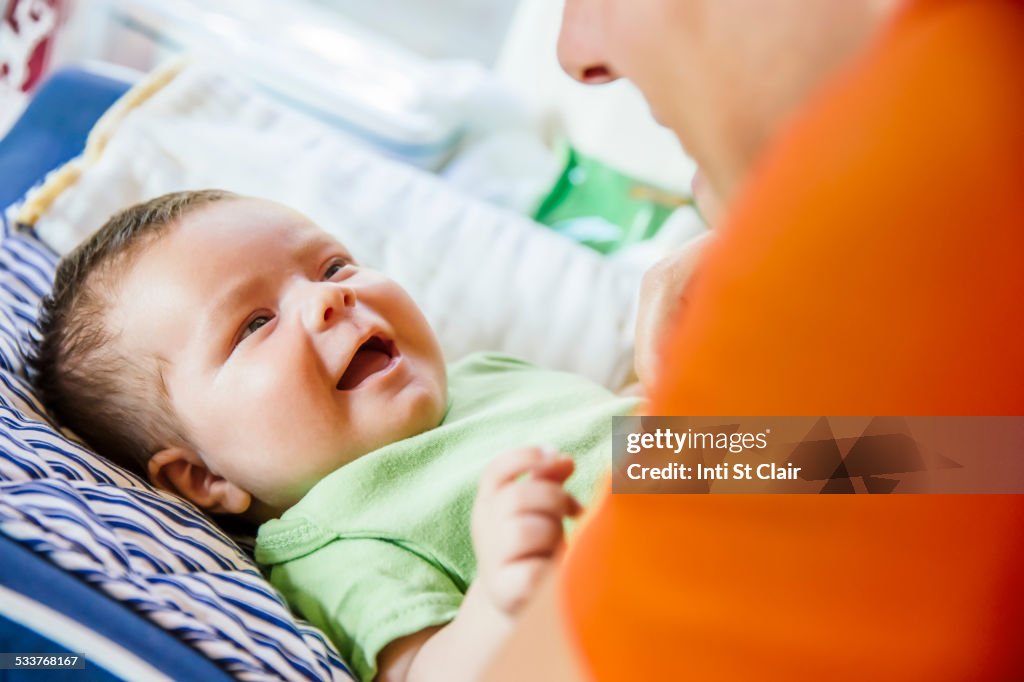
(667, 439)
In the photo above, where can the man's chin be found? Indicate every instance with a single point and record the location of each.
(698, 184)
(705, 198)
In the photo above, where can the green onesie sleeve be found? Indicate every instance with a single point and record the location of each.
(367, 593)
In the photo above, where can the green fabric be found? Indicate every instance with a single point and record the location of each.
(598, 206)
(381, 548)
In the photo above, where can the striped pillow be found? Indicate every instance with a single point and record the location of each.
(138, 545)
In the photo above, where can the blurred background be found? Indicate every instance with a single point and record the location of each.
(468, 89)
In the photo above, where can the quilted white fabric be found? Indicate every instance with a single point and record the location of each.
(486, 278)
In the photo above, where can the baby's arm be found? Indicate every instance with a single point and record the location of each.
(517, 530)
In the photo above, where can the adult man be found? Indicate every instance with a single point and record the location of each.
(870, 153)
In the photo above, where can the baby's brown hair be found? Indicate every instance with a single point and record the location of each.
(116, 403)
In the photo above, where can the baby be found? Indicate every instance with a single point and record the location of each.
(239, 356)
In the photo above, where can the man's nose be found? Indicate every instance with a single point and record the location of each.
(581, 44)
(327, 303)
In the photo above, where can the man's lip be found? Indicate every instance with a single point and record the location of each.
(380, 341)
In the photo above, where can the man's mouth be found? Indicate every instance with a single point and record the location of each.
(373, 356)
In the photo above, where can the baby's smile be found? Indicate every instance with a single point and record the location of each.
(375, 358)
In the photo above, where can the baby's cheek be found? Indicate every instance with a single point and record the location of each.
(241, 407)
(288, 406)
(275, 404)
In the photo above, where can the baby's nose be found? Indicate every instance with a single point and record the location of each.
(328, 304)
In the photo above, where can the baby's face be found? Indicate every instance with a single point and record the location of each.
(283, 359)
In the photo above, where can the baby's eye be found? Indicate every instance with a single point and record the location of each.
(253, 324)
(336, 267)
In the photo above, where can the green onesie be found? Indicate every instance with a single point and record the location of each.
(381, 548)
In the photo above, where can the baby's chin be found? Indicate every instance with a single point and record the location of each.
(420, 406)
(423, 414)
(280, 500)
(423, 411)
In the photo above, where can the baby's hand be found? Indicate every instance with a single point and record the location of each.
(517, 522)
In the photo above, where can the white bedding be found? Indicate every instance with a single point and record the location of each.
(487, 278)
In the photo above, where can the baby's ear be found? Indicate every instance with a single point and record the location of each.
(181, 470)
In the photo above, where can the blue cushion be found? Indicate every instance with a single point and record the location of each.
(150, 550)
(16, 637)
(40, 595)
(53, 127)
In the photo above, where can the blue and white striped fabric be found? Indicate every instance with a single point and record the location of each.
(139, 545)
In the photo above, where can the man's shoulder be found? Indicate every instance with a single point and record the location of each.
(877, 241)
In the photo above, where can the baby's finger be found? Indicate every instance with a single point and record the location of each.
(538, 496)
(509, 466)
(530, 535)
(556, 467)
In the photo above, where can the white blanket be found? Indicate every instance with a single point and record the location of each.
(487, 279)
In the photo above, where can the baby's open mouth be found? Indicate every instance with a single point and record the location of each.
(373, 355)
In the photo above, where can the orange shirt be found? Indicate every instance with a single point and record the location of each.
(874, 266)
